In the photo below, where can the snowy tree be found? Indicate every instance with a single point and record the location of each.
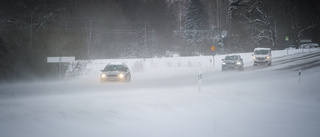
(218, 13)
(196, 30)
(304, 18)
(21, 24)
(32, 30)
(267, 22)
(196, 16)
(219, 22)
(260, 24)
(213, 13)
(252, 26)
(179, 9)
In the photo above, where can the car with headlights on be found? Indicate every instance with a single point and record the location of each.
(115, 72)
(232, 62)
(262, 56)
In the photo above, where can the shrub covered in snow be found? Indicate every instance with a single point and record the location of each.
(77, 68)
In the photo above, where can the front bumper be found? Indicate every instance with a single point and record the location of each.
(259, 61)
(231, 66)
(262, 61)
(112, 78)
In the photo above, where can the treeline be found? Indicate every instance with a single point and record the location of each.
(274, 24)
(32, 30)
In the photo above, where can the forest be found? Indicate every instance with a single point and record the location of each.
(32, 30)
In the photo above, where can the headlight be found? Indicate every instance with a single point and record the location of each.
(239, 63)
(103, 75)
(254, 57)
(121, 75)
(268, 57)
(223, 63)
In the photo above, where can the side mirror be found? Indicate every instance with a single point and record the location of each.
(102, 70)
(241, 59)
(222, 59)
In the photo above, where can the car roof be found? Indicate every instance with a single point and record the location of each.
(262, 49)
(233, 55)
(116, 63)
(308, 44)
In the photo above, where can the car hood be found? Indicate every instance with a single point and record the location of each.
(112, 72)
(265, 55)
(230, 61)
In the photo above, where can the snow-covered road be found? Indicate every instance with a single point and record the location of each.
(261, 101)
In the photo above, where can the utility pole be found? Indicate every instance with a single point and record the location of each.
(30, 42)
(145, 33)
(145, 39)
(89, 38)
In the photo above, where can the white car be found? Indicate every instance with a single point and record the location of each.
(309, 45)
(115, 72)
(262, 56)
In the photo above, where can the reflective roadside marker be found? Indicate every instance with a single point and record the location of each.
(299, 75)
(199, 76)
(199, 80)
(299, 72)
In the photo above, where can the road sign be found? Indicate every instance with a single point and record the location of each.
(60, 59)
(213, 48)
(53, 59)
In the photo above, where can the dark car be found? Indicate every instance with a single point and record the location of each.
(232, 62)
(115, 72)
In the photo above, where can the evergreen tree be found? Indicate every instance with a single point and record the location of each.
(196, 18)
(196, 30)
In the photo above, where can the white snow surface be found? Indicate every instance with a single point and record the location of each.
(166, 99)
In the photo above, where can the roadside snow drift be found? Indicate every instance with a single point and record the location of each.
(167, 98)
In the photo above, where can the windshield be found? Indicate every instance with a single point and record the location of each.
(231, 58)
(114, 68)
(261, 52)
